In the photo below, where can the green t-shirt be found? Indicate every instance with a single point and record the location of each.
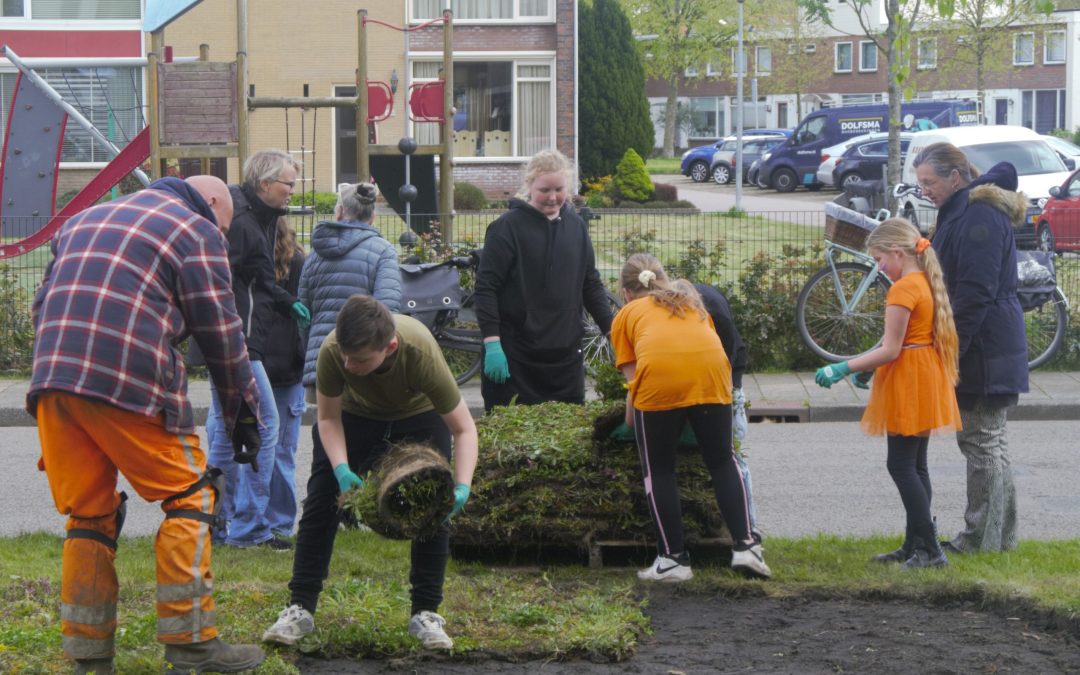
(418, 381)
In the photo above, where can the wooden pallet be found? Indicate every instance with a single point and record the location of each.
(597, 546)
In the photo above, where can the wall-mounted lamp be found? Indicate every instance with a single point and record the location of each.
(393, 81)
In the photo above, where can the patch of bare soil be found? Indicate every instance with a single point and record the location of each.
(701, 634)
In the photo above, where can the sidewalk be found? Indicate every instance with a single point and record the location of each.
(782, 397)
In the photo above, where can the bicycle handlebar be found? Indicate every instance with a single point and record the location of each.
(903, 190)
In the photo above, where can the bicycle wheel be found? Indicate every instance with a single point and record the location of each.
(461, 342)
(828, 330)
(594, 345)
(1045, 328)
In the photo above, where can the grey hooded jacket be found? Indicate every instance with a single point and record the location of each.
(346, 258)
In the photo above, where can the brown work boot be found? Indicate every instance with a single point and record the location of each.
(212, 656)
(94, 667)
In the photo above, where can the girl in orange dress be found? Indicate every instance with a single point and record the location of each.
(666, 346)
(915, 373)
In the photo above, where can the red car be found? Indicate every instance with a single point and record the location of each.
(1058, 226)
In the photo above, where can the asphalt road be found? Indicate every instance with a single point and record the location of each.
(808, 478)
(709, 196)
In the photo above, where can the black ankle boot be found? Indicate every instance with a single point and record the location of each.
(898, 556)
(926, 554)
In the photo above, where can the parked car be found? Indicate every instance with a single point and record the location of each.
(1058, 225)
(831, 154)
(1039, 168)
(696, 161)
(1066, 150)
(866, 160)
(723, 160)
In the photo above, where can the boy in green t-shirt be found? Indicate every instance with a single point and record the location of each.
(380, 379)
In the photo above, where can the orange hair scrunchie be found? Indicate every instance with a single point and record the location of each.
(921, 245)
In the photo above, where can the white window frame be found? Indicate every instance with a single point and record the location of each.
(690, 72)
(836, 57)
(140, 83)
(863, 44)
(515, 59)
(921, 51)
(1016, 49)
(1046, 47)
(712, 70)
(757, 61)
(25, 15)
(735, 62)
(516, 16)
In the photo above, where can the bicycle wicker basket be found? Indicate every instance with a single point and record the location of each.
(846, 227)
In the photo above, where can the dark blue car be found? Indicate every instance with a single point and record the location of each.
(696, 161)
(866, 160)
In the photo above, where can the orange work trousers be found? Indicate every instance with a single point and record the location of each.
(84, 443)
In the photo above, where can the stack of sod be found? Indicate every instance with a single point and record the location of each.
(548, 477)
(408, 494)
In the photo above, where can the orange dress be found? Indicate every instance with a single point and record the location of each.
(912, 396)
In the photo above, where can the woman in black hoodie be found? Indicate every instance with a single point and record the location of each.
(537, 273)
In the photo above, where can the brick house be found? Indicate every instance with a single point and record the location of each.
(514, 68)
(1037, 86)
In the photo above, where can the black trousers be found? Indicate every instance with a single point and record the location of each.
(366, 440)
(908, 469)
(657, 435)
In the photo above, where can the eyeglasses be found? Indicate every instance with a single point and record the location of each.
(290, 183)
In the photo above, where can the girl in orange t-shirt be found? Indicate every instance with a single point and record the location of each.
(915, 373)
(666, 346)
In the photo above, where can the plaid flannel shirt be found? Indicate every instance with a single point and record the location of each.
(129, 280)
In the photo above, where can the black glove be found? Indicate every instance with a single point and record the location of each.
(245, 437)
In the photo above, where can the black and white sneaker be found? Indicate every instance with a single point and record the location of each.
(667, 569)
(747, 559)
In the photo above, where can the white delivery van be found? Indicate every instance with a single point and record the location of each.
(1039, 168)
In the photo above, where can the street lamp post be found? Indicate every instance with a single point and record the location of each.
(740, 65)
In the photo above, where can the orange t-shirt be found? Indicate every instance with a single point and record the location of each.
(912, 396)
(680, 360)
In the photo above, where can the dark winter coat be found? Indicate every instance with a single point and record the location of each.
(718, 308)
(283, 354)
(346, 258)
(535, 277)
(251, 258)
(975, 244)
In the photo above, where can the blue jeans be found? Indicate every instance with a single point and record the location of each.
(247, 492)
(281, 511)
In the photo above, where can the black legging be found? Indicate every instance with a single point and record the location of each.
(907, 466)
(657, 439)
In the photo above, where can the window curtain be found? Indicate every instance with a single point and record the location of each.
(108, 97)
(534, 7)
(426, 133)
(533, 111)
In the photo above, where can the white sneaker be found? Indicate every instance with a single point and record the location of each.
(748, 561)
(293, 623)
(427, 627)
(666, 569)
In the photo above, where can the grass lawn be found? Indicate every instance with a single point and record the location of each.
(556, 612)
(663, 165)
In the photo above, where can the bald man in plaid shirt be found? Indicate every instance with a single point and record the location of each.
(130, 280)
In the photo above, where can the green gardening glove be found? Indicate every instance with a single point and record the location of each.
(861, 380)
(302, 314)
(461, 495)
(622, 433)
(688, 437)
(496, 368)
(346, 479)
(827, 376)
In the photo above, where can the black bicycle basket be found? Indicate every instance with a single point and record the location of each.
(1036, 278)
(430, 291)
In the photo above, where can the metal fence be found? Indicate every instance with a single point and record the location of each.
(719, 248)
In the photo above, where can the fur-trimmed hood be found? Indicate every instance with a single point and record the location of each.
(997, 188)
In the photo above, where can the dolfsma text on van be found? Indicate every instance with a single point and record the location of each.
(795, 162)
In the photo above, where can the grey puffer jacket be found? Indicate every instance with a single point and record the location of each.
(346, 258)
